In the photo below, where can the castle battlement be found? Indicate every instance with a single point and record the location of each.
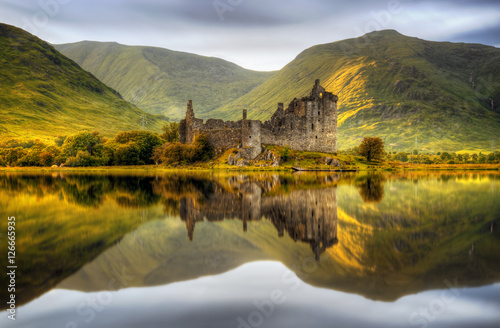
(308, 124)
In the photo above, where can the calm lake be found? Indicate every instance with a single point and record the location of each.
(223, 250)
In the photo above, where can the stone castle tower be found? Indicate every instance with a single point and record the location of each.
(308, 124)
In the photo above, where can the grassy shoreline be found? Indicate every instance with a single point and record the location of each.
(373, 167)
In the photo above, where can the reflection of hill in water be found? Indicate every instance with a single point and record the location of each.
(389, 246)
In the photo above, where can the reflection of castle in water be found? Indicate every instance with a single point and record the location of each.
(308, 216)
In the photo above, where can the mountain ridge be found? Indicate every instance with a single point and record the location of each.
(46, 94)
(396, 87)
(160, 80)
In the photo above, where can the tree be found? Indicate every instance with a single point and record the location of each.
(59, 141)
(402, 157)
(203, 149)
(83, 158)
(13, 155)
(415, 152)
(371, 148)
(128, 154)
(427, 160)
(170, 132)
(445, 156)
(92, 142)
(158, 153)
(108, 152)
(48, 156)
(177, 153)
(146, 142)
(174, 153)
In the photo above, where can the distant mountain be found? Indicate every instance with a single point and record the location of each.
(43, 94)
(444, 96)
(160, 81)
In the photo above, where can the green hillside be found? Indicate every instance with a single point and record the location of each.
(160, 81)
(43, 94)
(396, 87)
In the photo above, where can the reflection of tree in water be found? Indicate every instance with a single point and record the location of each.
(371, 189)
(86, 190)
(173, 188)
(134, 192)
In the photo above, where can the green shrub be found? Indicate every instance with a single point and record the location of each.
(146, 142)
(202, 149)
(286, 154)
(91, 142)
(83, 158)
(170, 132)
(128, 154)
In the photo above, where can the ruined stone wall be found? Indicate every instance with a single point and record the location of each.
(220, 133)
(223, 138)
(308, 124)
(314, 131)
(251, 139)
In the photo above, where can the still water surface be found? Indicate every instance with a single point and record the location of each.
(258, 250)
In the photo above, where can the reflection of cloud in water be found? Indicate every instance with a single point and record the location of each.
(218, 301)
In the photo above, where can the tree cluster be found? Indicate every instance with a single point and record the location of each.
(445, 158)
(92, 149)
(174, 153)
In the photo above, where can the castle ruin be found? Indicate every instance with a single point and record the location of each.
(308, 124)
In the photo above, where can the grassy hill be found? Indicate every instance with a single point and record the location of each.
(396, 87)
(43, 94)
(160, 81)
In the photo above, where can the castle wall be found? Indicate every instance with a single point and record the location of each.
(223, 138)
(308, 124)
(220, 133)
(251, 139)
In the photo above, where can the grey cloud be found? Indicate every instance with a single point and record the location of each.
(488, 36)
(257, 34)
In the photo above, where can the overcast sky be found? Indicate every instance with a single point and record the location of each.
(255, 34)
